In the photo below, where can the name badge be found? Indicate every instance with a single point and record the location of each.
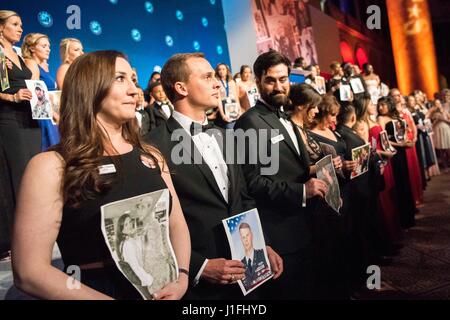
(277, 139)
(107, 169)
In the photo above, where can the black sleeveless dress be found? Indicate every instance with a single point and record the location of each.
(329, 234)
(19, 133)
(20, 140)
(80, 238)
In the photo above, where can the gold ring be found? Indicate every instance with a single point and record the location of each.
(232, 278)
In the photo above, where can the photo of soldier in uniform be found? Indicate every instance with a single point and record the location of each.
(247, 244)
(41, 108)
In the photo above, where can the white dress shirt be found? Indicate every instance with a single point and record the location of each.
(252, 257)
(212, 155)
(165, 108)
(139, 116)
(290, 129)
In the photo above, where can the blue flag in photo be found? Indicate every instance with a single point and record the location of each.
(233, 224)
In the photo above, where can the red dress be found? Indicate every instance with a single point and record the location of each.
(387, 198)
(413, 161)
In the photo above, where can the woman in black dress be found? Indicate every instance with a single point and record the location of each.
(100, 160)
(20, 134)
(328, 225)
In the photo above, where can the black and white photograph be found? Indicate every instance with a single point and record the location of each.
(399, 130)
(247, 244)
(288, 25)
(326, 173)
(428, 126)
(362, 156)
(55, 101)
(41, 108)
(385, 143)
(231, 110)
(136, 231)
(320, 85)
(357, 85)
(253, 96)
(345, 92)
(225, 150)
(4, 81)
(328, 149)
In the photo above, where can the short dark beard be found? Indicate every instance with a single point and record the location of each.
(276, 99)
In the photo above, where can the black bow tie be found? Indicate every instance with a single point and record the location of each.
(198, 128)
(282, 115)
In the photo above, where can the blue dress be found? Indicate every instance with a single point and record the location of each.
(49, 132)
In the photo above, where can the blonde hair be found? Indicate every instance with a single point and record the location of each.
(30, 41)
(64, 48)
(6, 14)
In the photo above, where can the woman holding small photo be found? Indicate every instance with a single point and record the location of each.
(229, 94)
(20, 134)
(248, 91)
(36, 52)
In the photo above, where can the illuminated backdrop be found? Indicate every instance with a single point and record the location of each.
(413, 46)
(149, 32)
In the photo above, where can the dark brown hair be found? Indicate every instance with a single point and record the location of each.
(326, 107)
(304, 95)
(268, 60)
(244, 225)
(176, 69)
(83, 141)
(229, 75)
(361, 104)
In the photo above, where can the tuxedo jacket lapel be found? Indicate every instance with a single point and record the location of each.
(159, 111)
(302, 148)
(221, 137)
(172, 124)
(272, 120)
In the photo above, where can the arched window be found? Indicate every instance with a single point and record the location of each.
(361, 57)
(347, 52)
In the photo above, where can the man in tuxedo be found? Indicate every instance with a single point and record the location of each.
(143, 113)
(254, 260)
(209, 189)
(161, 109)
(281, 197)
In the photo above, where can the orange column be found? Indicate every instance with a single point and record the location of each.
(413, 46)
